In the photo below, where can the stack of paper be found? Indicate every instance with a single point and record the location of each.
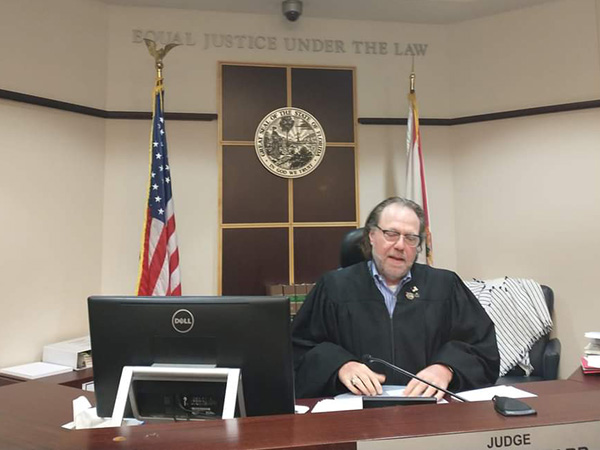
(589, 368)
(74, 353)
(590, 363)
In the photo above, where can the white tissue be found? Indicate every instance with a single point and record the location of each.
(85, 416)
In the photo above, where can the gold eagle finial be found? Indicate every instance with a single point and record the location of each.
(159, 54)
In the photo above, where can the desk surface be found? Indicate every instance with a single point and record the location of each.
(591, 380)
(31, 414)
(74, 379)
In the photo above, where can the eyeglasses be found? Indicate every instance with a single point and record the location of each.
(412, 240)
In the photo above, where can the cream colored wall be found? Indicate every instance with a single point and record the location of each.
(191, 71)
(51, 191)
(538, 56)
(53, 172)
(55, 49)
(527, 198)
(78, 207)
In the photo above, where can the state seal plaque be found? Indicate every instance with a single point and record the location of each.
(290, 142)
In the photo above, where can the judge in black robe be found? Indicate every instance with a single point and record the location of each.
(436, 320)
(344, 317)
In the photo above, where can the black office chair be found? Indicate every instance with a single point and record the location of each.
(545, 353)
(350, 251)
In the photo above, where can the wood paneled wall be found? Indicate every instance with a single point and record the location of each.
(272, 229)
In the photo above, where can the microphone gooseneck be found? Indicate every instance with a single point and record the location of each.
(370, 359)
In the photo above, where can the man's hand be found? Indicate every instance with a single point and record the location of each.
(360, 380)
(437, 374)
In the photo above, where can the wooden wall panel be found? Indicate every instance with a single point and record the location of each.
(248, 94)
(258, 211)
(328, 94)
(251, 194)
(316, 251)
(329, 193)
(253, 258)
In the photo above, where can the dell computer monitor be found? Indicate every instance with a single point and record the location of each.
(249, 333)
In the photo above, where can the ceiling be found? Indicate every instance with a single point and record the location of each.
(412, 11)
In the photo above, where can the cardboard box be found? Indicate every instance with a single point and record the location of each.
(301, 290)
(274, 289)
(296, 292)
(288, 290)
(74, 353)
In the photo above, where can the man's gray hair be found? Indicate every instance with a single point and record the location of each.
(374, 216)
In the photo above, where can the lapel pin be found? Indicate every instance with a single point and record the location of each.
(414, 293)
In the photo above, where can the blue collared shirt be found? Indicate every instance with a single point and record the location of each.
(389, 296)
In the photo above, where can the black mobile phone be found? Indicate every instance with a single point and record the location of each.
(512, 407)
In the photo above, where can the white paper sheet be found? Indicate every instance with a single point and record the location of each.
(338, 404)
(478, 395)
(593, 361)
(301, 409)
(36, 370)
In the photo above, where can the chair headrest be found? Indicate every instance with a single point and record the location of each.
(350, 251)
(549, 297)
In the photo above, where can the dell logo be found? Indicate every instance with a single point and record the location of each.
(182, 321)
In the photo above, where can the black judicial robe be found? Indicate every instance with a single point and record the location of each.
(344, 317)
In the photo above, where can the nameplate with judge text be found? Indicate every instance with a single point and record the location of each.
(572, 436)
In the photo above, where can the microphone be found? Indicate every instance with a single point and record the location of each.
(370, 359)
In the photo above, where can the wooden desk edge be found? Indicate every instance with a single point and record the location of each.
(560, 402)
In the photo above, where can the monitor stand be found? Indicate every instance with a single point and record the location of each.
(201, 378)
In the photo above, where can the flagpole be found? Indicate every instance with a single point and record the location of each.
(412, 76)
(416, 189)
(158, 272)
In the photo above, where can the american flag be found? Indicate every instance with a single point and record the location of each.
(416, 190)
(159, 260)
